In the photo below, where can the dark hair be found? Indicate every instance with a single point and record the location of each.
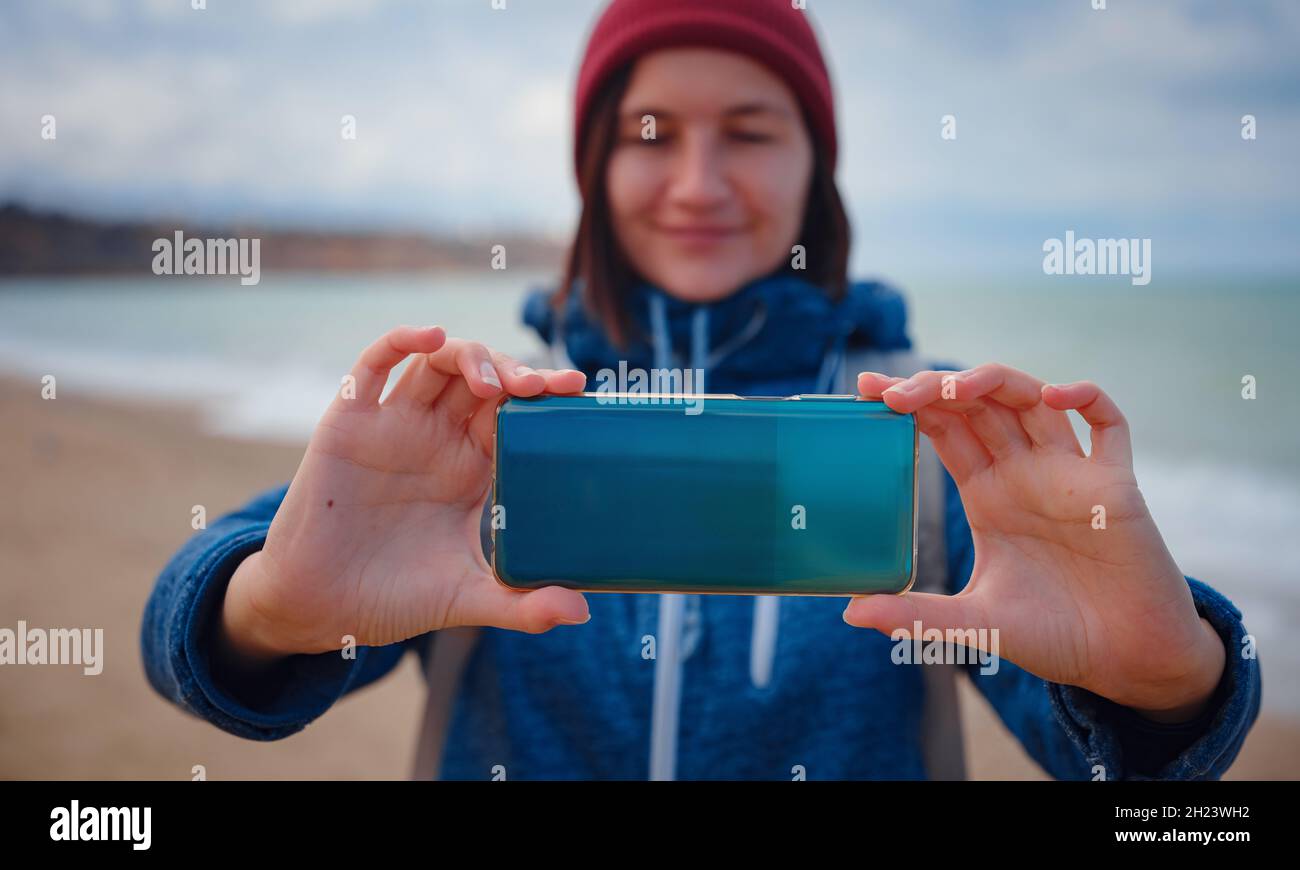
(597, 260)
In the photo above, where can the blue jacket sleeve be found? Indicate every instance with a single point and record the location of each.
(176, 634)
(1075, 734)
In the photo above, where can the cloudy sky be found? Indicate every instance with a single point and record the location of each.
(1120, 122)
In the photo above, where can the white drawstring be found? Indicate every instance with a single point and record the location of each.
(668, 696)
(665, 715)
(762, 643)
(767, 608)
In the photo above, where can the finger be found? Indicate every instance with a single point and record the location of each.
(1022, 392)
(482, 425)
(957, 446)
(517, 378)
(1111, 441)
(871, 384)
(423, 383)
(997, 426)
(960, 450)
(376, 362)
(947, 613)
(564, 381)
(420, 385)
(490, 603)
(478, 380)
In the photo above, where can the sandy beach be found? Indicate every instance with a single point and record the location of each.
(98, 496)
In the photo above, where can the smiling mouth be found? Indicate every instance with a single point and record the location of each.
(698, 233)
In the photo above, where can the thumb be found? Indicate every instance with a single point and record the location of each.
(888, 613)
(488, 602)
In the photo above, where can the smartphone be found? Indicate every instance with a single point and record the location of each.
(753, 495)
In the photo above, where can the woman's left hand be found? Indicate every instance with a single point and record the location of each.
(1078, 596)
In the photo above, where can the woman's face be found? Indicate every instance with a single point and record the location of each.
(716, 198)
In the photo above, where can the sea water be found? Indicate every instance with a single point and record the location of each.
(1220, 473)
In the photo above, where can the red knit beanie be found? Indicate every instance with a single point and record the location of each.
(772, 32)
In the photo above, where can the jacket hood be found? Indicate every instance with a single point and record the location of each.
(771, 337)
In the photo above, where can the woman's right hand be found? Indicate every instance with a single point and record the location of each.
(378, 535)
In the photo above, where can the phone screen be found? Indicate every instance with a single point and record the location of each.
(800, 495)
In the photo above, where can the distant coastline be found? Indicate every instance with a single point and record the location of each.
(34, 242)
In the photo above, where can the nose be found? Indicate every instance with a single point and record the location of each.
(699, 179)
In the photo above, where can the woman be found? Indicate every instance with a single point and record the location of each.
(712, 234)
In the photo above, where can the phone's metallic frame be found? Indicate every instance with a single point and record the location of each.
(916, 491)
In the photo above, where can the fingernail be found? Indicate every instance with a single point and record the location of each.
(574, 371)
(566, 621)
(523, 371)
(489, 374)
(900, 389)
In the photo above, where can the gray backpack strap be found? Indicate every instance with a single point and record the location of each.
(450, 648)
(449, 653)
(444, 665)
(941, 718)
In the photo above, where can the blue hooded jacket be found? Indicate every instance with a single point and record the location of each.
(824, 698)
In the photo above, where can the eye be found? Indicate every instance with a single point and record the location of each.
(750, 136)
(634, 137)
